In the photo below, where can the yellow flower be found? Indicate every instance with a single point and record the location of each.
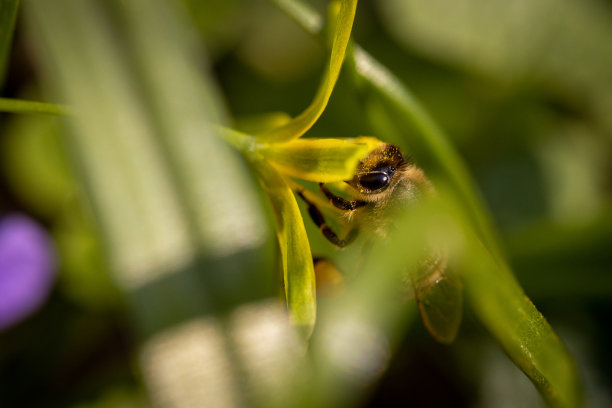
(277, 153)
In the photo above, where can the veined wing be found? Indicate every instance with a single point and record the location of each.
(439, 295)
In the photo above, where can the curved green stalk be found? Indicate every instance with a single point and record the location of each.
(340, 39)
(21, 106)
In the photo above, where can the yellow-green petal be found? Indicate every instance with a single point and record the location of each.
(340, 37)
(260, 122)
(298, 269)
(319, 160)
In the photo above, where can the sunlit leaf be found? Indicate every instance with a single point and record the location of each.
(498, 299)
(181, 224)
(520, 328)
(508, 314)
(172, 199)
(304, 121)
(298, 269)
(211, 179)
(113, 128)
(500, 303)
(8, 15)
(320, 160)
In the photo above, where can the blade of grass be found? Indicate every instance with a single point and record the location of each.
(209, 175)
(145, 149)
(21, 106)
(497, 299)
(520, 328)
(404, 112)
(493, 291)
(495, 294)
(8, 15)
(113, 131)
(146, 161)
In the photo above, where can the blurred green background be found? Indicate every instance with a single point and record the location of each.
(524, 90)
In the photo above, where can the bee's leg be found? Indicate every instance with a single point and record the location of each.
(340, 202)
(317, 217)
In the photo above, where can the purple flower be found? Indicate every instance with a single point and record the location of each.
(27, 268)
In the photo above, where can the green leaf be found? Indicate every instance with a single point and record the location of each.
(496, 296)
(177, 210)
(499, 301)
(401, 113)
(304, 121)
(8, 15)
(319, 160)
(298, 269)
(520, 328)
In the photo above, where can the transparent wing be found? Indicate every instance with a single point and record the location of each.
(439, 295)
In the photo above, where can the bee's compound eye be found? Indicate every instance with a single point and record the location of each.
(374, 181)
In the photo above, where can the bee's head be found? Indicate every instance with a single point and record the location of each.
(381, 171)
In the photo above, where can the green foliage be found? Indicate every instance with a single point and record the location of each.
(145, 145)
(179, 223)
(496, 296)
(8, 15)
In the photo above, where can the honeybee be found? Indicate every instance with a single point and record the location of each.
(385, 181)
